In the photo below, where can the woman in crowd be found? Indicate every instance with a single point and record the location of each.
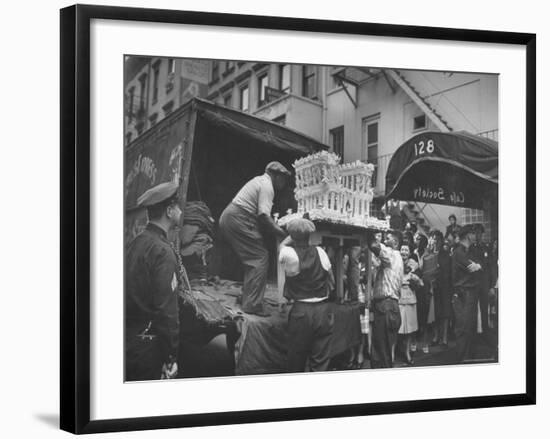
(429, 278)
(407, 301)
(442, 290)
(422, 298)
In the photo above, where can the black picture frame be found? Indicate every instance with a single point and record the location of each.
(75, 216)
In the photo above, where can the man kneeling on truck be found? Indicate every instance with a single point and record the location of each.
(308, 280)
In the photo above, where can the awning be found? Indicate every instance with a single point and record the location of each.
(456, 169)
(257, 129)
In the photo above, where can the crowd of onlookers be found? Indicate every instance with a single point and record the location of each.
(427, 291)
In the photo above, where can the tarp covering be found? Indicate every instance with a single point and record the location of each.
(261, 130)
(456, 169)
(262, 344)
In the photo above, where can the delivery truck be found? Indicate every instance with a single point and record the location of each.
(211, 151)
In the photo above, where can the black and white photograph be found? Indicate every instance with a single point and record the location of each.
(275, 220)
(284, 218)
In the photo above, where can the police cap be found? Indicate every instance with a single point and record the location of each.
(464, 230)
(478, 227)
(158, 194)
(278, 168)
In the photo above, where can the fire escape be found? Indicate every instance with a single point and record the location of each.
(413, 211)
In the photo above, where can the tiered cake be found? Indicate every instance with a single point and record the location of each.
(334, 192)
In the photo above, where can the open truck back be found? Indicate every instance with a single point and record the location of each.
(211, 151)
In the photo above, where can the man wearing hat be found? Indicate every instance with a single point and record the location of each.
(308, 279)
(466, 282)
(151, 302)
(243, 223)
(483, 256)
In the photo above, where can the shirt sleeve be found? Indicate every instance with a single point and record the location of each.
(325, 261)
(265, 196)
(385, 255)
(165, 303)
(289, 261)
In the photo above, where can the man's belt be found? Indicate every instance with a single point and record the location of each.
(146, 333)
(384, 298)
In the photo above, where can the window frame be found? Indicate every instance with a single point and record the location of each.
(422, 127)
(333, 133)
(131, 96)
(242, 88)
(261, 90)
(228, 97)
(156, 80)
(305, 81)
(366, 122)
(215, 73)
(281, 77)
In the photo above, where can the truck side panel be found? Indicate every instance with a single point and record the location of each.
(161, 154)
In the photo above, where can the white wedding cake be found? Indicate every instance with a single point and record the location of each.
(334, 192)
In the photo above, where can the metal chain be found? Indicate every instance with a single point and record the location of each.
(184, 279)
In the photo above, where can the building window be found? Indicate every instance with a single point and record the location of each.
(153, 118)
(281, 120)
(130, 109)
(337, 141)
(142, 93)
(262, 84)
(140, 127)
(244, 98)
(156, 73)
(473, 216)
(229, 67)
(169, 86)
(215, 71)
(171, 66)
(419, 122)
(227, 100)
(309, 83)
(168, 107)
(334, 82)
(284, 78)
(370, 142)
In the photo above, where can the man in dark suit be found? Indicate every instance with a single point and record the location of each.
(151, 301)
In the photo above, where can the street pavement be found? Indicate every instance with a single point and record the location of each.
(213, 360)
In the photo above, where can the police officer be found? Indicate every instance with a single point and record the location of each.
(151, 302)
(483, 256)
(465, 274)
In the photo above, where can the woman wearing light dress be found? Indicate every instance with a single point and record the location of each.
(407, 301)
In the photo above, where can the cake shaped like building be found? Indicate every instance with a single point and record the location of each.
(334, 192)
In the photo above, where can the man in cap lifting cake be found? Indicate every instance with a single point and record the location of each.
(243, 223)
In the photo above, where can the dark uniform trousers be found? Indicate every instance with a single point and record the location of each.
(143, 358)
(465, 310)
(310, 327)
(481, 255)
(151, 305)
(387, 320)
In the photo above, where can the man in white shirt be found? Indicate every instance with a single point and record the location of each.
(387, 286)
(308, 280)
(244, 222)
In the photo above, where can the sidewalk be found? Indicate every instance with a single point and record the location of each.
(482, 352)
